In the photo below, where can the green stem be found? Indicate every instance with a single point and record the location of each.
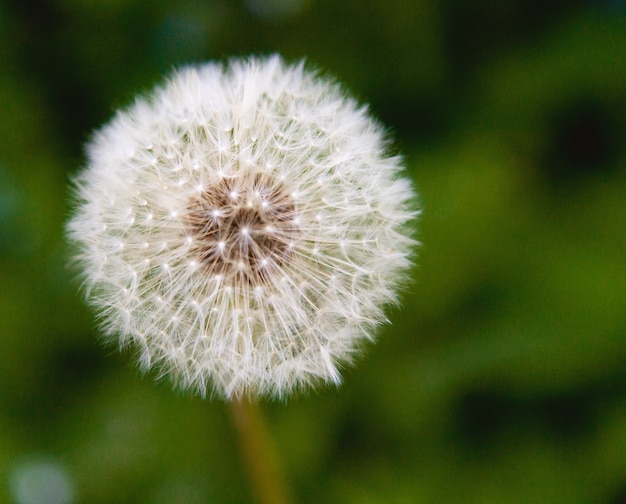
(259, 455)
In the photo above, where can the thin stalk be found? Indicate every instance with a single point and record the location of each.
(258, 453)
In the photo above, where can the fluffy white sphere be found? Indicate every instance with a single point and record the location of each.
(242, 228)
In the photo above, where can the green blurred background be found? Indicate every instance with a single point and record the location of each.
(501, 380)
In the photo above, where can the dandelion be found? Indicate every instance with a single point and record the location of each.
(242, 228)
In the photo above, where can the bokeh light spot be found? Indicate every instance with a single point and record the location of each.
(41, 481)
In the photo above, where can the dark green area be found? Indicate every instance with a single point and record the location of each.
(501, 380)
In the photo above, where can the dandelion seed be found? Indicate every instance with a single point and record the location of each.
(259, 247)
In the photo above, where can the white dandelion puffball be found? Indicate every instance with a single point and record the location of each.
(243, 228)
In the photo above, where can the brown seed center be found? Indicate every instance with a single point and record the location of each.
(244, 228)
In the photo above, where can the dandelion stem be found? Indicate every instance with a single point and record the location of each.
(258, 453)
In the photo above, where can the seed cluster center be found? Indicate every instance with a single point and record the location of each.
(244, 228)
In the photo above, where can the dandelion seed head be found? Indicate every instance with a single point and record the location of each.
(243, 228)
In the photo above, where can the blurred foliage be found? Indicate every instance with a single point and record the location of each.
(502, 379)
